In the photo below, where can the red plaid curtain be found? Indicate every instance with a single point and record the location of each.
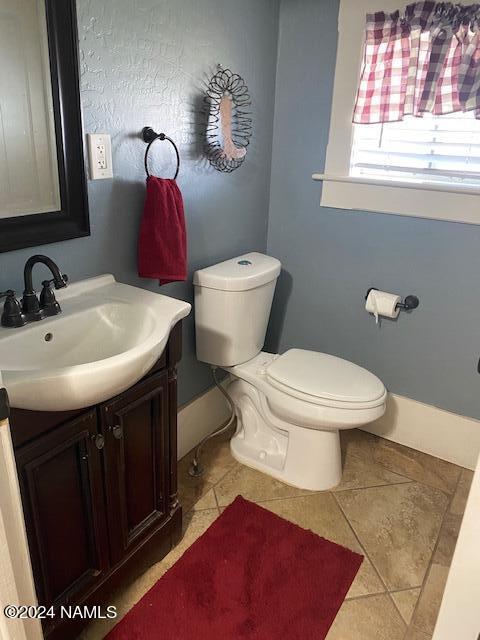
(426, 60)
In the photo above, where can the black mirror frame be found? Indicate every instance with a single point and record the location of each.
(72, 220)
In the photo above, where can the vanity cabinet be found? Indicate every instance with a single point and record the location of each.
(99, 490)
(135, 425)
(64, 508)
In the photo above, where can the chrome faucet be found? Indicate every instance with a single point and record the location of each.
(32, 308)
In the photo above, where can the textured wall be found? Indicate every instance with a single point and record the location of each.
(145, 62)
(331, 257)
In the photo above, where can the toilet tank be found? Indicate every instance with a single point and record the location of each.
(232, 306)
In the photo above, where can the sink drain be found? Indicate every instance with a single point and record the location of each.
(48, 337)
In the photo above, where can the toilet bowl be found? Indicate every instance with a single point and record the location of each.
(290, 428)
(290, 407)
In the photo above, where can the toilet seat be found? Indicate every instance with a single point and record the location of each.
(307, 410)
(325, 380)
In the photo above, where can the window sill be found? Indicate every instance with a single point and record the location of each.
(437, 202)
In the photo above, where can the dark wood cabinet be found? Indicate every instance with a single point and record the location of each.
(65, 510)
(99, 489)
(137, 437)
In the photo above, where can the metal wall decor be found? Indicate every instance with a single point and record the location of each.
(229, 126)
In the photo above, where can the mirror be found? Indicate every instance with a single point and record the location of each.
(42, 176)
(27, 125)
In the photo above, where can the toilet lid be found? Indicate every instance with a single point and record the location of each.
(324, 376)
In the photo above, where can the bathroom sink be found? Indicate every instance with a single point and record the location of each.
(107, 337)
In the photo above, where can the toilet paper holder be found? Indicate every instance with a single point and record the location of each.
(409, 303)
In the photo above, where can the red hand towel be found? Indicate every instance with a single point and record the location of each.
(162, 243)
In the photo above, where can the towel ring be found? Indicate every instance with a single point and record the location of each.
(149, 136)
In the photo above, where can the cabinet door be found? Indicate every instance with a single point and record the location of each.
(137, 465)
(63, 500)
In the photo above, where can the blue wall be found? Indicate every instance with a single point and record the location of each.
(330, 257)
(145, 62)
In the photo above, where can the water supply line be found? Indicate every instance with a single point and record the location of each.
(196, 470)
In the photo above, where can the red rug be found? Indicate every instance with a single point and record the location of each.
(251, 575)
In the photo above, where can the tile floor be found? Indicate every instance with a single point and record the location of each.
(400, 508)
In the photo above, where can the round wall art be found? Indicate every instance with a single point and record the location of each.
(229, 126)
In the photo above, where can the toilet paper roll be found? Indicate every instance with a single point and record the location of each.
(382, 303)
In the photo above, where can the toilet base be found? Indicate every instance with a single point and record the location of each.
(304, 458)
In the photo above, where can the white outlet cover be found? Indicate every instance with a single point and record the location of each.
(100, 156)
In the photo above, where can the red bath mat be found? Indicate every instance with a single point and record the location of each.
(252, 575)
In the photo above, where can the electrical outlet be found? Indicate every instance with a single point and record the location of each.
(101, 159)
(100, 156)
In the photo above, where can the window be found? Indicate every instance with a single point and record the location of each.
(433, 149)
(424, 167)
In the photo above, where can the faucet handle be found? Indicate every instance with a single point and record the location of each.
(12, 315)
(48, 302)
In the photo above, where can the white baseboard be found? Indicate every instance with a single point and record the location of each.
(429, 429)
(423, 427)
(200, 417)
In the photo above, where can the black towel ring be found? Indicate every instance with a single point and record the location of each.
(149, 136)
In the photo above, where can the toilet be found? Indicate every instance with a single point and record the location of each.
(290, 407)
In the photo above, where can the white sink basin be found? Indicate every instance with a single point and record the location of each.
(108, 336)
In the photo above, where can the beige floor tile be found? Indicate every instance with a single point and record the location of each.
(417, 465)
(217, 461)
(360, 469)
(430, 599)
(217, 458)
(253, 485)
(371, 618)
(207, 501)
(447, 539)
(190, 490)
(398, 526)
(195, 523)
(321, 514)
(461, 494)
(416, 634)
(405, 602)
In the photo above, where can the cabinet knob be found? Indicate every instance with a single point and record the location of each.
(98, 440)
(117, 431)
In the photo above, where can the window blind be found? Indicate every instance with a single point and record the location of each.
(433, 149)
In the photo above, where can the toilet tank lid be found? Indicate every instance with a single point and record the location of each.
(239, 274)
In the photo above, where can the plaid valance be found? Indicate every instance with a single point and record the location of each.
(425, 60)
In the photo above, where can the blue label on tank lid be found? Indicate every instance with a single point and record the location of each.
(244, 263)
